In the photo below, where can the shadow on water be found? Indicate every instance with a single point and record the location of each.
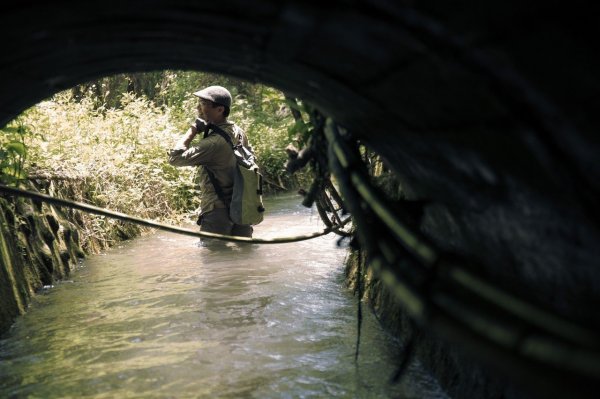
(162, 317)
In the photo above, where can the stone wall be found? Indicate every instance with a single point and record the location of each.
(39, 245)
(488, 111)
(458, 375)
(522, 243)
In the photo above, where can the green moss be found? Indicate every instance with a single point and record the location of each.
(38, 245)
(12, 300)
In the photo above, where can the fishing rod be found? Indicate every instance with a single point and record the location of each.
(17, 192)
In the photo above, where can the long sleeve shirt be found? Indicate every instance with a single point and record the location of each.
(214, 153)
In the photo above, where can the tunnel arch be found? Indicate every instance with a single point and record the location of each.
(468, 130)
(393, 74)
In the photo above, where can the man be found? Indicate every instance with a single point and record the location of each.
(214, 155)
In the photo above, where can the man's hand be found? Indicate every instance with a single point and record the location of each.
(199, 124)
(185, 141)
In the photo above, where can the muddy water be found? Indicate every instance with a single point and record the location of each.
(162, 317)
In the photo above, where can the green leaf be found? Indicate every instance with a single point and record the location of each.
(7, 179)
(10, 129)
(293, 105)
(298, 127)
(14, 171)
(17, 148)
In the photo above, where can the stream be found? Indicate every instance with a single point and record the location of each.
(162, 317)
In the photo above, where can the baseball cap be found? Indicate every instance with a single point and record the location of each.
(216, 94)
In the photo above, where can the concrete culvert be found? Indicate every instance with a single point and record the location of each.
(487, 114)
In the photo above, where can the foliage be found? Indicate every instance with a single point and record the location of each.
(301, 130)
(105, 143)
(13, 152)
(260, 110)
(112, 158)
(125, 146)
(262, 113)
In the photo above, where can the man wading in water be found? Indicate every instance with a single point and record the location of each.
(214, 156)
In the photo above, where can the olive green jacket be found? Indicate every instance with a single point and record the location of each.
(214, 153)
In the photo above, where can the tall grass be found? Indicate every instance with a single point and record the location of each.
(115, 157)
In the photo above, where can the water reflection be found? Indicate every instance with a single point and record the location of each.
(161, 317)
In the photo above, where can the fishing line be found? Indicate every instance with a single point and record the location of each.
(17, 192)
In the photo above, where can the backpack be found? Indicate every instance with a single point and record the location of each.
(246, 205)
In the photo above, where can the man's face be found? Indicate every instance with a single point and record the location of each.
(199, 109)
(207, 110)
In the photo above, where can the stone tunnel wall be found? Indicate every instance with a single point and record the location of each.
(38, 245)
(488, 111)
(522, 242)
(458, 375)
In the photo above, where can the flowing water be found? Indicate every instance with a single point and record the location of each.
(161, 317)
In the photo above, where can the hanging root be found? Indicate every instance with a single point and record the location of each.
(359, 291)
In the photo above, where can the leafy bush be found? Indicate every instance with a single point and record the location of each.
(105, 143)
(13, 153)
(113, 158)
(260, 110)
(120, 151)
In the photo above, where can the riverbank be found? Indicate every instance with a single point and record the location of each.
(159, 316)
(458, 375)
(39, 245)
(43, 243)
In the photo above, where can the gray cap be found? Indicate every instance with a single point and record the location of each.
(216, 94)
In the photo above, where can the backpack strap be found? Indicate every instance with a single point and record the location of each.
(220, 132)
(211, 175)
(218, 189)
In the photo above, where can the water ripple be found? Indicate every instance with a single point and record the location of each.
(161, 317)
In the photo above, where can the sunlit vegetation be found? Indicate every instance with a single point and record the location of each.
(13, 153)
(105, 143)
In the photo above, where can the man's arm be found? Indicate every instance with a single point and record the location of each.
(198, 126)
(201, 154)
(182, 154)
(184, 142)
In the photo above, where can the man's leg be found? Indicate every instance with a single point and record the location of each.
(242, 230)
(216, 221)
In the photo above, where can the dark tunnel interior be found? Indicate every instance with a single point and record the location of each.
(488, 112)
